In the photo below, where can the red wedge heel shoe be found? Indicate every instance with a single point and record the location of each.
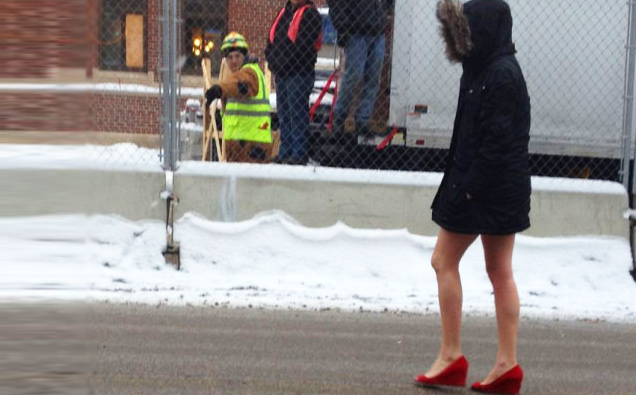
(508, 383)
(454, 375)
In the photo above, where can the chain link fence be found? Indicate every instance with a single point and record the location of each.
(126, 96)
(573, 57)
(385, 100)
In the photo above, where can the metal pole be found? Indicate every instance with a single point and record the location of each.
(175, 86)
(169, 91)
(179, 62)
(627, 167)
(165, 85)
(169, 83)
(628, 102)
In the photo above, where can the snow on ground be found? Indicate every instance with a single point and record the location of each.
(124, 156)
(272, 261)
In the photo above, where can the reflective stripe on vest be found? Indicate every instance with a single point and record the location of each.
(249, 118)
(294, 27)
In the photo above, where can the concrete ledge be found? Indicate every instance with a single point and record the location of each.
(368, 199)
(557, 213)
(316, 197)
(313, 203)
(134, 195)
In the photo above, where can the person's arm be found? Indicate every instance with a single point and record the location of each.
(268, 43)
(496, 130)
(243, 83)
(338, 10)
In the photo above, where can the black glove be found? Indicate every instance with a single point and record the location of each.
(243, 88)
(215, 92)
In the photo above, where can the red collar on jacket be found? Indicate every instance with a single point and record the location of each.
(294, 26)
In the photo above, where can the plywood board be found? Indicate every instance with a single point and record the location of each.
(134, 41)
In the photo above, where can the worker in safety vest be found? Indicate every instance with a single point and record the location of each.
(292, 46)
(246, 109)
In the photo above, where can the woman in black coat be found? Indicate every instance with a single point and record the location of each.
(486, 186)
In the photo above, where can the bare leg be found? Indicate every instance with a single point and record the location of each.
(449, 249)
(498, 255)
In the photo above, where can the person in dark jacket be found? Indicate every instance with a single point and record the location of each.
(486, 185)
(292, 47)
(361, 27)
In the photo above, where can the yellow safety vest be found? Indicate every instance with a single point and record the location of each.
(249, 118)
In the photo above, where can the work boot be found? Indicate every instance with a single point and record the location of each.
(289, 161)
(296, 161)
(364, 131)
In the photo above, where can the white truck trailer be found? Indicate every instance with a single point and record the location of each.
(573, 56)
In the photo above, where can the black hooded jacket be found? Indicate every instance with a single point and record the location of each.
(486, 185)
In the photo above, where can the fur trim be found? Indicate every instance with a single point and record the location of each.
(454, 29)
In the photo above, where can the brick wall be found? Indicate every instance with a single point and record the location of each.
(125, 113)
(80, 112)
(40, 35)
(65, 34)
(72, 33)
(153, 36)
(46, 111)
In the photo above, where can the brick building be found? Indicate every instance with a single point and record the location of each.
(113, 48)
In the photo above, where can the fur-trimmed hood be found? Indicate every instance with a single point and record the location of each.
(476, 31)
(453, 29)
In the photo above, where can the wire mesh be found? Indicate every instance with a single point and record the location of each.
(380, 95)
(572, 54)
(125, 99)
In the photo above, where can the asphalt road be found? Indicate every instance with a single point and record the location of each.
(133, 349)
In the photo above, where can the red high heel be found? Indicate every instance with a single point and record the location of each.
(454, 375)
(508, 383)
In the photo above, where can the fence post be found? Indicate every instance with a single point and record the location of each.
(170, 90)
(169, 85)
(628, 173)
(628, 100)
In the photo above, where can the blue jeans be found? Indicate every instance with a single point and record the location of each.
(292, 106)
(364, 57)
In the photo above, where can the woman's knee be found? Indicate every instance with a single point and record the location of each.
(499, 272)
(441, 263)
(435, 263)
(498, 254)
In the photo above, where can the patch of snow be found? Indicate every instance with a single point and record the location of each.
(272, 261)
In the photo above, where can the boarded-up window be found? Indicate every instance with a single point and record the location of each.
(123, 34)
(134, 41)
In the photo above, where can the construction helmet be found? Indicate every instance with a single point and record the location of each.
(234, 42)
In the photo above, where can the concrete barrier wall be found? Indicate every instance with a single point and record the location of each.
(316, 198)
(322, 203)
(313, 203)
(133, 195)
